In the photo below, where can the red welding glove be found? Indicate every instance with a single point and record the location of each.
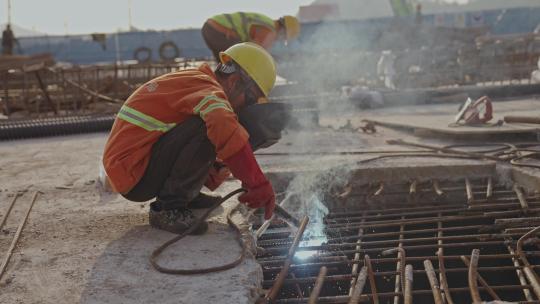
(259, 193)
(217, 175)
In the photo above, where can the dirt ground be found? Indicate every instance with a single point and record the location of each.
(81, 246)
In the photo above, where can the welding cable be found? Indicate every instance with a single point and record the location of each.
(514, 161)
(200, 220)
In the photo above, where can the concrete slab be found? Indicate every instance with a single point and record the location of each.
(437, 122)
(83, 246)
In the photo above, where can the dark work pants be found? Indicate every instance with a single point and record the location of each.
(178, 167)
(216, 40)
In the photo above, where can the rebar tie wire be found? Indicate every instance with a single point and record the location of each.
(200, 220)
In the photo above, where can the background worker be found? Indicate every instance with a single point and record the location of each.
(167, 135)
(8, 41)
(222, 31)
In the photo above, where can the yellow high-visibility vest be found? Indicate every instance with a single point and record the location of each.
(401, 8)
(241, 22)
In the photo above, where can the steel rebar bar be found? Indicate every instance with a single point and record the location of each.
(473, 277)
(22, 223)
(519, 273)
(11, 204)
(481, 279)
(318, 286)
(521, 197)
(272, 294)
(437, 188)
(434, 284)
(359, 286)
(371, 277)
(529, 272)
(407, 297)
(402, 260)
(379, 190)
(489, 188)
(468, 188)
(442, 268)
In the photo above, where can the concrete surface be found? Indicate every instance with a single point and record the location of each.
(83, 247)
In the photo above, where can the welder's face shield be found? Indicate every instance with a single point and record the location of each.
(252, 92)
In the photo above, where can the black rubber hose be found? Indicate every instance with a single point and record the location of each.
(55, 126)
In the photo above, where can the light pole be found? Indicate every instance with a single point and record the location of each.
(9, 11)
(130, 3)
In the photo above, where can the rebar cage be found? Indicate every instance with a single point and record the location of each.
(453, 242)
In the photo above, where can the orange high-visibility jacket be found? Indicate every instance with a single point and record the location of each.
(158, 106)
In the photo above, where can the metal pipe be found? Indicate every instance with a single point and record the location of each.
(407, 297)
(318, 286)
(359, 286)
(371, 277)
(17, 236)
(273, 293)
(473, 277)
(430, 272)
(481, 279)
(529, 272)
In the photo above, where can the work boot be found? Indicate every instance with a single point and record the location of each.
(177, 220)
(204, 201)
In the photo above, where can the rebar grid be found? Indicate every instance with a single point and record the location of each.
(457, 249)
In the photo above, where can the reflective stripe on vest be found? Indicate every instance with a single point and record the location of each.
(219, 103)
(241, 22)
(142, 120)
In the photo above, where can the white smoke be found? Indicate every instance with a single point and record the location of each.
(308, 193)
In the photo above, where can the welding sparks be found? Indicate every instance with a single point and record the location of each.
(302, 255)
(314, 235)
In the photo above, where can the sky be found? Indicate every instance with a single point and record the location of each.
(88, 16)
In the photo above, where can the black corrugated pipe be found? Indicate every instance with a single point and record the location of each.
(55, 126)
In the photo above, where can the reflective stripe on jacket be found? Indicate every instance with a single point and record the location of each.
(241, 22)
(157, 107)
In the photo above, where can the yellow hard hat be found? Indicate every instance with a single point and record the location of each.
(255, 61)
(292, 27)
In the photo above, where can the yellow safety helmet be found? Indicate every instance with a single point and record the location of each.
(255, 61)
(292, 27)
